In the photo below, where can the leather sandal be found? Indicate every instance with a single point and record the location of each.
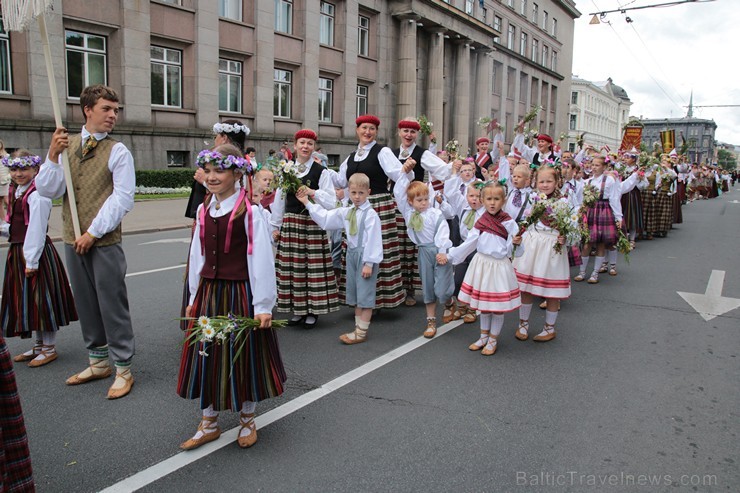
(77, 379)
(547, 334)
(522, 332)
(431, 329)
(580, 277)
(23, 357)
(49, 354)
(490, 347)
(128, 382)
(247, 441)
(613, 270)
(480, 343)
(210, 436)
(359, 337)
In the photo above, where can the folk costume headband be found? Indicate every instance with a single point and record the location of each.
(414, 125)
(230, 128)
(21, 162)
(306, 133)
(372, 119)
(223, 162)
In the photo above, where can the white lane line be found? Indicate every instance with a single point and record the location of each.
(182, 459)
(134, 274)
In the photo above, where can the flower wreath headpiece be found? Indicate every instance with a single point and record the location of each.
(230, 128)
(21, 162)
(224, 162)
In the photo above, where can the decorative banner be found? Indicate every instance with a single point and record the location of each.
(632, 138)
(668, 139)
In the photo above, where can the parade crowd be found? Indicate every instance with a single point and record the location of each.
(472, 237)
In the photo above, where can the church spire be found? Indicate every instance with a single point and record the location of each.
(690, 114)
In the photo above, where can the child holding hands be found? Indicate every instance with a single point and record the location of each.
(428, 229)
(490, 283)
(364, 249)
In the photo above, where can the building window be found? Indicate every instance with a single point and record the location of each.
(523, 44)
(510, 38)
(282, 95)
(572, 147)
(573, 97)
(166, 77)
(326, 31)
(535, 13)
(469, 7)
(326, 99)
(484, 14)
(284, 16)
(173, 2)
(523, 10)
(230, 9)
(363, 36)
(497, 23)
(6, 79)
(545, 55)
(229, 86)
(510, 3)
(177, 159)
(554, 65)
(86, 61)
(545, 20)
(554, 27)
(573, 122)
(535, 49)
(362, 92)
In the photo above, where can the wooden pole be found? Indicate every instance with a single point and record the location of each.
(58, 121)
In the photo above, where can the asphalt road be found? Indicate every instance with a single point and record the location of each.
(637, 393)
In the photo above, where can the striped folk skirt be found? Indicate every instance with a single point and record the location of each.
(389, 291)
(42, 302)
(632, 211)
(677, 214)
(211, 372)
(601, 225)
(490, 285)
(305, 275)
(409, 256)
(15, 460)
(540, 271)
(658, 210)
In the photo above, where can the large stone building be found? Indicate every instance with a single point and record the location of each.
(600, 109)
(280, 65)
(697, 132)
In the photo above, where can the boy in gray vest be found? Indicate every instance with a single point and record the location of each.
(102, 171)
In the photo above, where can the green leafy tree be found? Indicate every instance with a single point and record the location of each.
(726, 159)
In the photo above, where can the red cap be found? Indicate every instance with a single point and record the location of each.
(367, 119)
(545, 137)
(482, 139)
(409, 124)
(306, 133)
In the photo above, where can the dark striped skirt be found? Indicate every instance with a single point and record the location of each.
(601, 225)
(409, 257)
(632, 211)
(677, 215)
(15, 459)
(305, 274)
(389, 292)
(658, 210)
(219, 379)
(681, 191)
(42, 302)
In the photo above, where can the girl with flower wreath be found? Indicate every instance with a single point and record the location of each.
(540, 270)
(36, 292)
(603, 218)
(230, 272)
(305, 275)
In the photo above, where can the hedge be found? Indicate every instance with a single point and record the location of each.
(164, 178)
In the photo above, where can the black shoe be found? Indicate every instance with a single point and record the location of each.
(309, 321)
(296, 320)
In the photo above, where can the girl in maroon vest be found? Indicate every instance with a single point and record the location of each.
(231, 271)
(36, 292)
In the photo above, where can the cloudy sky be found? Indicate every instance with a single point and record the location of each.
(664, 54)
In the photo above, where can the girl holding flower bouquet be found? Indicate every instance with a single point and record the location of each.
(543, 268)
(230, 273)
(603, 218)
(305, 275)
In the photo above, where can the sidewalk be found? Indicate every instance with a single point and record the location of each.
(146, 216)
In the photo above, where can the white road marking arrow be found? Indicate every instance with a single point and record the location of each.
(167, 240)
(711, 304)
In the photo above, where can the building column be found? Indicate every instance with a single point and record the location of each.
(461, 105)
(406, 105)
(135, 65)
(435, 78)
(206, 75)
(481, 105)
(264, 67)
(349, 77)
(310, 69)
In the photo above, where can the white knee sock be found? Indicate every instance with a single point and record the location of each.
(497, 322)
(611, 257)
(524, 311)
(49, 338)
(584, 263)
(632, 234)
(597, 264)
(209, 412)
(248, 407)
(485, 322)
(550, 317)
